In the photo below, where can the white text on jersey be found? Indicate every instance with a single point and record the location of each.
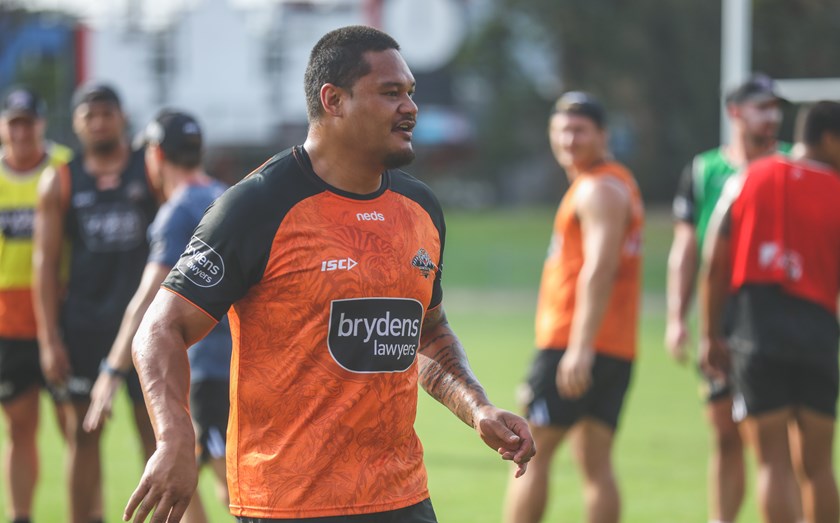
(370, 216)
(335, 265)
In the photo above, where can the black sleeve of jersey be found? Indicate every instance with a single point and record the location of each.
(683, 206)
(230, 248)
(409, 186)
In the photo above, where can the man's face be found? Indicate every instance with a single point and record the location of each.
(23, 135)
(99, 126)
(760, 119)
(379, 114)
(576, 140)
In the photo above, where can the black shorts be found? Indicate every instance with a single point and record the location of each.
(86, 351)
(422, 512)
(209, 407)
(603, 401)
(784, 352)
(20, 368)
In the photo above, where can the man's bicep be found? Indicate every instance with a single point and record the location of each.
(604, 216)
(176, 312)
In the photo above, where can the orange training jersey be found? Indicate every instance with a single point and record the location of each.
(327, 292)
(18, 199)
(785, 229)
(556, 305)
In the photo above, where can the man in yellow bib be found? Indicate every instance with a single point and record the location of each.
(23, 157)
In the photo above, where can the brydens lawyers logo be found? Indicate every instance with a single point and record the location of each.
(369, 335)
(423, 262)
(201, 264)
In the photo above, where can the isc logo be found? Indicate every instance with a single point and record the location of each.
(370, 217)
(335, 265)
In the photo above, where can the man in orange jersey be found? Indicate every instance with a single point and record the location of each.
(327, 260)
(774, 247)
(586, 315)
(24, 156)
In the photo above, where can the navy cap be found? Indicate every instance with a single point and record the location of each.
(584, 104)
(21, 101)
(177, 133)
(757, 88)
(95, 92)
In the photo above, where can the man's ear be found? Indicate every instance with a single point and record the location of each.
(332, 97)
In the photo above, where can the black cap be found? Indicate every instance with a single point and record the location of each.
(177, 133)
(757, 88)
(95, 92)
(584, 104)
(21, 101)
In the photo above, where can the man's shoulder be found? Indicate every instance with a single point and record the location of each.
(59, 154)
(414, 189)
(710, 162)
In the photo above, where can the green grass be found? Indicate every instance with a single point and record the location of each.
(492, 269)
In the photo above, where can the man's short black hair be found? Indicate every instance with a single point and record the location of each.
(580, 103)
(824, 117)
(338, 59)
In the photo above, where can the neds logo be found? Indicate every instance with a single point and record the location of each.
(201, 264)
(375, 334)
(370, 216)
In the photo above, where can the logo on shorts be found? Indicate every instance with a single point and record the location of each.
(424, 262)
(375, 334)
(201, 264)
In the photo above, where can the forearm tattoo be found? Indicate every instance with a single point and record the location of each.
(444, 370)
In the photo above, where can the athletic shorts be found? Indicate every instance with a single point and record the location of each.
(784, 352)
(420, 513)
(209, 407)
(544, 405)
(20, 368)
(86, 351)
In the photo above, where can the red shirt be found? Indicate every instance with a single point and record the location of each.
(786, 229)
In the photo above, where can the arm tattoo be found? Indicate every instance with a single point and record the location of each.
(444, 370)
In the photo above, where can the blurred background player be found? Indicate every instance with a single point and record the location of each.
(173, 159)
(755, 114)
(103, 203)
(776, 250)
(587, 315)
(23, 157)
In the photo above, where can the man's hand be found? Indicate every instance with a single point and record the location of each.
(101, 400)
(55, 364)
(574, 374)
(167, 485)
(508, 434)
(714, 357)
(676, 340)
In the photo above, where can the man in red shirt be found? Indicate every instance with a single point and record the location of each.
(774, 247)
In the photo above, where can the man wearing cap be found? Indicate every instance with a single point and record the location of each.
(102, 203)
(23, 157)
(587, 315)
(754, 110)
(173, 158)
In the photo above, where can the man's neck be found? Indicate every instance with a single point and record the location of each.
(345, 170)
(742, 150)
(107, 163)
(180, 178)
(576, 169)
(23, 163)
(813, 154)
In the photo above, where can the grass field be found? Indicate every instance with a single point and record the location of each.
(492, 269)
